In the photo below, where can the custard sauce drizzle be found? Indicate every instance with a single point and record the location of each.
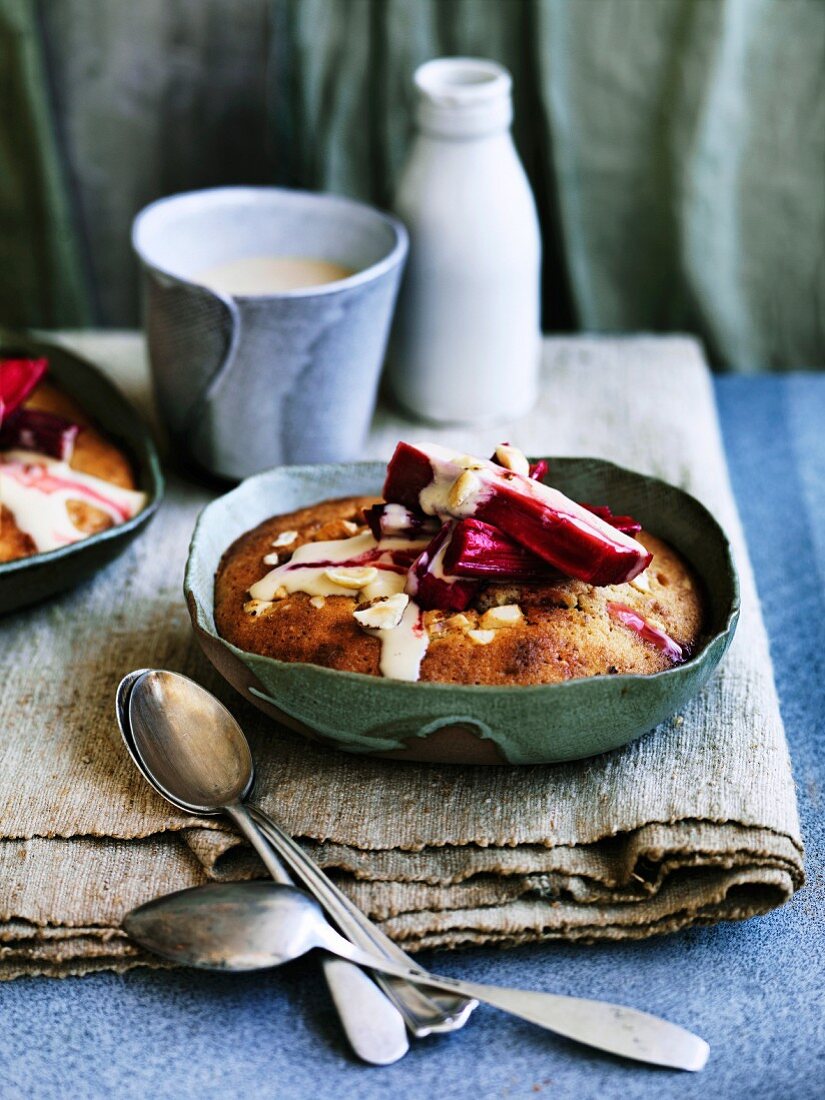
(36, 490)
(402, 646)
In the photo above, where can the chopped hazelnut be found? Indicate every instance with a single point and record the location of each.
(256, 608)
(384, 613)
(462, 489)
(286, 538)
(354, 577)
(512, 459)
(505, 615)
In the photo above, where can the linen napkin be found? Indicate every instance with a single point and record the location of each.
(693, 823)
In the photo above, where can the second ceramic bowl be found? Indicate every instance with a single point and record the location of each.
(456, 723)
(29, 580)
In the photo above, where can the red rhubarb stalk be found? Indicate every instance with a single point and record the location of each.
(429, 584)
(44, 432)
(538, 517)
(628, 524)
(18, 377)
(632, 619)
(539, 470)
(477, 550)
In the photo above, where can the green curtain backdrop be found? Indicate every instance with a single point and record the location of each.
(676, 147)
(42, 278)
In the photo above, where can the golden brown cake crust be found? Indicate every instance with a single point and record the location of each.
(93, 454)
(566, 631)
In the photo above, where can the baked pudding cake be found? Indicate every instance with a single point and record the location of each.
(469, 571)
(61, 480)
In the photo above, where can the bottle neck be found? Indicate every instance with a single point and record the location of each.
(463, 98)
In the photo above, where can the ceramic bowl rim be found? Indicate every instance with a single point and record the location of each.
(148, 461)
(711, 642)
(388, 262)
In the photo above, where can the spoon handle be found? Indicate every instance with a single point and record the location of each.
(614, 1028)
(374, 1027)
(425, 1012)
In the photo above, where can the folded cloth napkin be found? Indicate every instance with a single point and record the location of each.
(694, 822)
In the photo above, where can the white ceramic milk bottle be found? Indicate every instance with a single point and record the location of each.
(467, 340)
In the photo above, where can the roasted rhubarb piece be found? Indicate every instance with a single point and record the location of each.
(476, 549)
(18, 377)
(44, 432)
(409, 474)
(394, 521)
(431, 586)
(628, 524)
(637, 623)
(508, 456)
(442, 482)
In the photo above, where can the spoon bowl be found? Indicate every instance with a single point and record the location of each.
(188, 742)
(212, 927)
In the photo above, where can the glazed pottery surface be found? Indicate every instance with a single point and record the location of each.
(247, 381)
(457, 723)
(29, 580)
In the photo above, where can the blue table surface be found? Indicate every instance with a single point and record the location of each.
(755, 990)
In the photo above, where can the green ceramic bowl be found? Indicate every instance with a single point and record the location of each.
(31, 579)
(465, 724)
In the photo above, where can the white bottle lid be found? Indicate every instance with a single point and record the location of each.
(463, 97)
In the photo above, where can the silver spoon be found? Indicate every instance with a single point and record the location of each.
(373, 1026)
(194, 753)
(255, 925)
